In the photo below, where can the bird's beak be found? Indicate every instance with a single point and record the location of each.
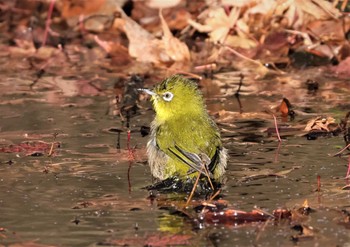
(147, 91)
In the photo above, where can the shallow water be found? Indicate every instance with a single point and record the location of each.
(90, 193)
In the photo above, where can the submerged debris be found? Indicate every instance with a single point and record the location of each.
(32, 148)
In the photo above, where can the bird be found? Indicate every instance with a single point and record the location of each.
(184, 141)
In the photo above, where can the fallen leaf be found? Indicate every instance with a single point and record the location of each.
(161, 4)
(217, 23)
(177, 50)
(320, 123)
(33, 148)
(70, 8)
(234, 217)
(329, 30)
(299, 12)
(147, 48)
(262, 7)
(118, 53)
(285, 108)
(238, 41)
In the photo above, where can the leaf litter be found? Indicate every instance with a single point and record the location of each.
(228, 36)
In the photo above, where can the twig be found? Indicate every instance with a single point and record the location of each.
(51, 149)
(127, 118)
(239, 104)
(130, 151)
(348, 172)
(193, 190)
(48, 21)
(129, 179)
(241, 76)
(128, 140)
(210, 66)
(339, 153)
(242, 56)
(262, 229)
(204, 167)
(343, 6)
(318, 183)
(208, 176)
(276, 126)
(52, 144)
(81, 24)
(275, 160)
(118, 141)
(131, 158)
(39, 74)
(277, 69)
(91, 83)
(215, 195)
(238, 91)
(304, 35)
(42, 68)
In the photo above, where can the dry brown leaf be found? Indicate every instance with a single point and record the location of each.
(319, 9)
(71, 8)
(119, 53)
(145, 47)
(74, 10)
(298, 12)
(176, 16)
(217, 23)
(289, 10)
(242, 28)
(241, 42)
(238, 3)
(161, 4)
(261, 7)
(329, 30)
(177, 50)
(141, 44)
(221, 23)
(319, 123)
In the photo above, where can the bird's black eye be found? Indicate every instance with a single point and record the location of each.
(168, 96)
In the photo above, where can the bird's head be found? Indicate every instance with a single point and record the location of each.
(175, 96)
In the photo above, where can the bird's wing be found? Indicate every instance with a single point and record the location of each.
(201, 160)
(197, 162)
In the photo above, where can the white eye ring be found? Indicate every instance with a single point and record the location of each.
(168, 96)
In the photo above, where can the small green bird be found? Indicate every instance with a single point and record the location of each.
(184, 139)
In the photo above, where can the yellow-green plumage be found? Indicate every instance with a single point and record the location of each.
(183, 136)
